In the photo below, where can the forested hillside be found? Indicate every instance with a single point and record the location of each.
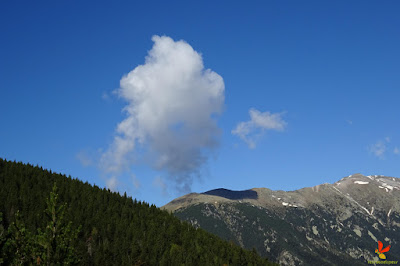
(95, 226)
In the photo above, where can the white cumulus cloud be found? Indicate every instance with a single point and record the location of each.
(171, 105)
(259, 122)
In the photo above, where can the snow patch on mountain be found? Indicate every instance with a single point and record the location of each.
(361, 182)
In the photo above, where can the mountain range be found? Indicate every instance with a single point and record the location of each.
(328, 224)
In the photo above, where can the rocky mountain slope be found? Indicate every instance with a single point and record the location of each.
(329, 224)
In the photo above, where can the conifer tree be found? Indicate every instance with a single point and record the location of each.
(57, 239)
(20, 241)
(3, 239)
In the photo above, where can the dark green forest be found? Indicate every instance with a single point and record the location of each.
(51, 219)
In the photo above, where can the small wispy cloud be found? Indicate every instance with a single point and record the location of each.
(105, 96)
(259, 123)
(84, 158)
(396, 150)
(379, 148)
(135, 181)
(159, 183)
(112, 183)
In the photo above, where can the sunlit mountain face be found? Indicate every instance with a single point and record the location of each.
(329, 224)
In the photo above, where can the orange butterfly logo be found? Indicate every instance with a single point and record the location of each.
(380, 251)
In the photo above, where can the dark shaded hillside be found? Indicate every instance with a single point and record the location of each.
(232, 194)
(115, 230)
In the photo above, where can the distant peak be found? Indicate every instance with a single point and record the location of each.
(232, 194)
(357, 175)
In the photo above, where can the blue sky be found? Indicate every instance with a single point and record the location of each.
(321, 78)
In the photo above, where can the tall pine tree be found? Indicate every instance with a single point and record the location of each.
(57, 239)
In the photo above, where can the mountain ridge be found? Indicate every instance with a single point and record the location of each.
(344, 219)
(259, 191)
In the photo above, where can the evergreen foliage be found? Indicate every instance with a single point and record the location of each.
(52, 246)
(103, 228)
